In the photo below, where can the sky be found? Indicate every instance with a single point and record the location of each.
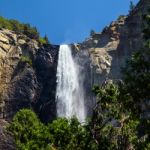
(65, 21)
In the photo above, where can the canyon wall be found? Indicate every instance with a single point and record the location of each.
(27, 79)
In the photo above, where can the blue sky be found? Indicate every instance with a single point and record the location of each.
(65, 20)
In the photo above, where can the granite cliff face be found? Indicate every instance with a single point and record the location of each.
(27, 79)
(102, 56)
(28, 69)
(108, 50)
(27, 74)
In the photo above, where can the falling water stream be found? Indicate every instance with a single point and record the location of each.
(69, 91)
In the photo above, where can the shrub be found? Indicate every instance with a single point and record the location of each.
(42, 40)
(70, 134)
(63, 134)
(26, 59)
(29, 132)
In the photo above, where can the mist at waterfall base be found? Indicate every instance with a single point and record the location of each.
(69, 91)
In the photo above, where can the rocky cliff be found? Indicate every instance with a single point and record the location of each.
(27, 79)
(28, 69)
(103, 54)
(108, 50)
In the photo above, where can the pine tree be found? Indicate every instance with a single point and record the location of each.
(132, 6)
(46, 39)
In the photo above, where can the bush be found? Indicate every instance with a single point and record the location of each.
(63, 134)
(42, 40)
(26, 59)
(113, 125)
(70, 134)
(29, 132)
(16, 26)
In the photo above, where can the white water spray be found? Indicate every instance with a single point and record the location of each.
(69, 92)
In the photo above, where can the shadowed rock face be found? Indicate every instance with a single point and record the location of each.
(46, 67)
(23, 84)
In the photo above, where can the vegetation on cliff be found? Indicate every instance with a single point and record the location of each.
(119, 120)
(26, 29)
(61, 134)
(26, 59)
(112, 123)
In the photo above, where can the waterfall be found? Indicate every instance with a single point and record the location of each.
(69, 91)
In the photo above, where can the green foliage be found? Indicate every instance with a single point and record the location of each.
(108, 98)
(26, 59)
(137, 74)
(19, 27)
(71, 135)
(30, 31)
(5, 24)
(29, 132)
(26, 29)
(137, 83)
(44, 40)
(113, 126)
(63, 134)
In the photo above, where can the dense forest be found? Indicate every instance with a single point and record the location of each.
(118, 121)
